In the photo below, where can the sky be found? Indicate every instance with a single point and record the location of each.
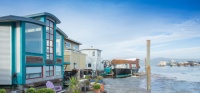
(120, 28)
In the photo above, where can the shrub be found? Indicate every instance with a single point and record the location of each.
(42, 90)
(87, 77)
(48, 90)
(31, 90)
(2, 91)
(96, 86)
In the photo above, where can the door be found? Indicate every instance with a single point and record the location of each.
(5, 55)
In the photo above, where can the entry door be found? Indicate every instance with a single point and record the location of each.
(5, 55)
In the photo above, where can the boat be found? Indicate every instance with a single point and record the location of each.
(162, 64)
(124, 68)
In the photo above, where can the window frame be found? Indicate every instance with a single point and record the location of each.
(49, 70)
(41, 42)
(89, 64)
(69, 44)
(32, 73)
(49, 42)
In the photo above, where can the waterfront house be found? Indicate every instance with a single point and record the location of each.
(73, 56)
(32, 49)
(93, 59)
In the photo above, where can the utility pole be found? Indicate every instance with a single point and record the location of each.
(148, 68)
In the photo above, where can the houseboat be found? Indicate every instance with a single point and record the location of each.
(32, 49)
(124, 68)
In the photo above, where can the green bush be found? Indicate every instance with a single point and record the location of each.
(87, 77)
(31, 90)
(42, 90)
(48, 90)
(2, 91)
(96, 86)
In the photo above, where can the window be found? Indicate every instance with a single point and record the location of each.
(75, 47)
(49, 39)
(68, 45)
(89, 65)
(58, 70)
(33, 38)
(33, 72)
(58, 44)
(49, 71)
(39, 19)
(93, 53)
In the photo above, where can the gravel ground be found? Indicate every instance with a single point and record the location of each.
(159, 84)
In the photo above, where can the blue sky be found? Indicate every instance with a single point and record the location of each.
(121, 27)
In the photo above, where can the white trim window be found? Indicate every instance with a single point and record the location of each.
(58, 70)
(75, 47)
(33, 72)
(68, 45)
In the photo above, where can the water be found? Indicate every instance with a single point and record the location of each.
(190, 74)
(163, 80)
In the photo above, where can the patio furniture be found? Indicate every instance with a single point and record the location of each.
(49, 84)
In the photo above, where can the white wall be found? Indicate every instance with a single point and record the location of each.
(94, 60)
(5, 55)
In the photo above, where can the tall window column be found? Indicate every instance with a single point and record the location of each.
(50, 39)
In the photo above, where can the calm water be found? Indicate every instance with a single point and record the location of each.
(191, 74)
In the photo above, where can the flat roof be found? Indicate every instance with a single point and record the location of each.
(46, 14)
(12, 18)
(73, 41)
(91, 49)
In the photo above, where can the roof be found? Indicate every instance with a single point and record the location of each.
(12, 18)
(69, 39)
(120, 61)
(91, 49)
(60, 31)
(46, 14)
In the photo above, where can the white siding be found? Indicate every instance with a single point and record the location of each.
(5, 55)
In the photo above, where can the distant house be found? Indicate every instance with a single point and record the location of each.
(32, 49)
(73, 55)
(93, 59)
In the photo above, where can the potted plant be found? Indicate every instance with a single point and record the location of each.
(96, 88)
(73, 85)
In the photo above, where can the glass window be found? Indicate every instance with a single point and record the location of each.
(47, 22)
(89, 65)
(33, 72)
(58, 70)
(68, 45)
(39, 19)
(93, 53)
(51, 30)
(50, 39)
(75, 47)
(58, 44)
(49, 71)
(33, 38)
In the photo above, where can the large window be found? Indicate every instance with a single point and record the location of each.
(33, 38)
(33, 72)
(49, 71)
(58, 44)
(58, 70)
(49, 39)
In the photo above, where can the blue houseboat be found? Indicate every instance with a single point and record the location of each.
(32, 49)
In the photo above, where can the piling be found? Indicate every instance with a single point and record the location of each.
(148, 68)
